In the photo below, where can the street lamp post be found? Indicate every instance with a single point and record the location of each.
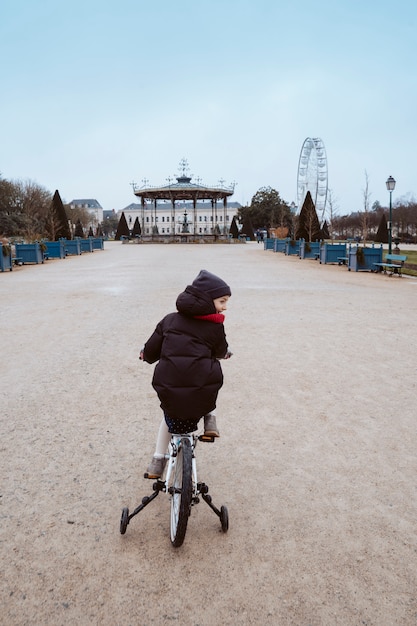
(390, 186)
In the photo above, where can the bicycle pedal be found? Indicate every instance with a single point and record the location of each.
(151, 477)
(207, 438)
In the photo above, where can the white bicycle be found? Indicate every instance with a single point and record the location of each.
(182, 486)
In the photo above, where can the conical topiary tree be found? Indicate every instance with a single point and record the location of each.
(137, 231)
(247, 228)
(234, 230)
(122, 228)
(308, 222)
(382, 232)
(63, 229)
(79, 231)
(90, 232)
(325, 231)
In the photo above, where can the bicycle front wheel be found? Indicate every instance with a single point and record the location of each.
(181, 493)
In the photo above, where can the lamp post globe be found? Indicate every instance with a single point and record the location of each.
(390, 183)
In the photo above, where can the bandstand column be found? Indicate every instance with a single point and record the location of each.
(142, 217)
(194, 214)
(173, 216)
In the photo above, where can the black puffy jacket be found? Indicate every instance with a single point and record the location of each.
(188, 376)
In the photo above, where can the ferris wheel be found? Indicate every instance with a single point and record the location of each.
(312, 175)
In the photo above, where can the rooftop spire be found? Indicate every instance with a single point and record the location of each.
(183, 177)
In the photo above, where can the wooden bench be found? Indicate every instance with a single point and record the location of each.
(342, 260)
(393, 263)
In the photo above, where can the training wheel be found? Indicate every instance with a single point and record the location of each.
(124, 520)
(224, 519)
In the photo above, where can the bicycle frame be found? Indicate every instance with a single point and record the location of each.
(174, 444)
(167, 485)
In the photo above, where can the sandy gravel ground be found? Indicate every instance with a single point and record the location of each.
(317, 460)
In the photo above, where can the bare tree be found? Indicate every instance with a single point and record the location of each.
(295, 218)
(35, 207)
(333, 208)
(78, 214)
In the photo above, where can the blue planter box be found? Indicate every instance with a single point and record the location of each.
(331, 252)
(55, 249)
(72, 246)
(269, 243)
(6, 262)
(312, 253)
(29, 252)
(292, 248)
(98, 243)
(370, 256)
(279, 245)
(86, 245)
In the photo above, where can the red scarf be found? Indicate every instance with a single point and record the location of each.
(217, 318)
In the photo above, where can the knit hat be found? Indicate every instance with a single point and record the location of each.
(211, 284)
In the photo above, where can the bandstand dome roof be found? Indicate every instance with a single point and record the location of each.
(183, 189)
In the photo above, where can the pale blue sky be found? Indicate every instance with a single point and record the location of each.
(96, 94)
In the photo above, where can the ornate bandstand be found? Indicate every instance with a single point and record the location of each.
(163, 210)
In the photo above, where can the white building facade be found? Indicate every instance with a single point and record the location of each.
(203, 219)
(92, 206)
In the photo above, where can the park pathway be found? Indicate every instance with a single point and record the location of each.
(316, 461)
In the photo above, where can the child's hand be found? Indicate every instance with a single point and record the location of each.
(141, 355)
(228, 354)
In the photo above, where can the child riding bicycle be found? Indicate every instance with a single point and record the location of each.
(187, 378)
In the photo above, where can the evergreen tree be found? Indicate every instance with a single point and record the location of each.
(79, 232)
(234, 230)
(324, 234)
(137, 231)
(267, 210)
(308, 222)
(247, 227)
(122, 228)
(382, 232)
(90, 232)
(63, 228)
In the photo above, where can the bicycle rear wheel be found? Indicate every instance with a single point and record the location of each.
(181, 493)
